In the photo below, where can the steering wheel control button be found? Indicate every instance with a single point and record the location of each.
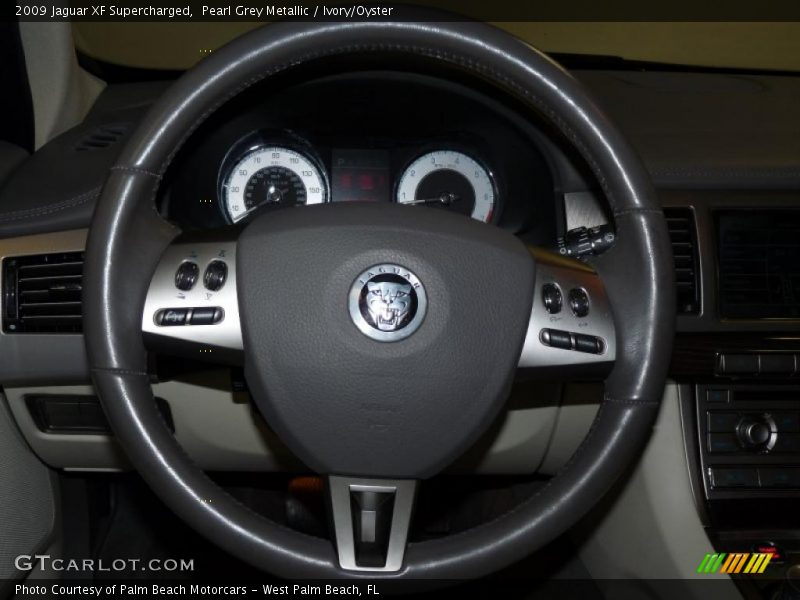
(552, 298)
(566, 340)
(215, 276)
(588, 343)
(556, 338)
(206, 316)
(387, 303)
(578, 302)
(172, 317)
(186, 275)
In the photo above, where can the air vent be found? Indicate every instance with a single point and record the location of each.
(42, 293)
(102, 137)
(682, 233)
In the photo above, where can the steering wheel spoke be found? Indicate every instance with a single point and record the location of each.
(371, 519)
(571, 331)
(192, 305)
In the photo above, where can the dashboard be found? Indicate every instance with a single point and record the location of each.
(369, 136)
(439, 142)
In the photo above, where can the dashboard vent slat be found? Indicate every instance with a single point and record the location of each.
(43, 293)
(683, 235)
(102, 137)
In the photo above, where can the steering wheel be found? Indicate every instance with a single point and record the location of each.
(378, 341)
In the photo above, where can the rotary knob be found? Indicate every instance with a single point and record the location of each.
(756, 432)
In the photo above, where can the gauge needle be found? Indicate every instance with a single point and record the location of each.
(447, 198)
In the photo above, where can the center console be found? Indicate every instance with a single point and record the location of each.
(737, 358)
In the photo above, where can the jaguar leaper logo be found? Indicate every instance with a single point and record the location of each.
(387, 302)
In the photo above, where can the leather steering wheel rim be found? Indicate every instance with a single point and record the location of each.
(128, 236)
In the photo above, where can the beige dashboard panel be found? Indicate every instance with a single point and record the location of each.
(221, 431)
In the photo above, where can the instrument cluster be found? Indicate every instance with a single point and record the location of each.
(429, 142)
(277, 169)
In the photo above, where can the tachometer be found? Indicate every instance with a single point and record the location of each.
(450, 180)
(272, 175)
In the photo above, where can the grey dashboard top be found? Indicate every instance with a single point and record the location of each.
(694, 131)
(55, 189)
(707, 131)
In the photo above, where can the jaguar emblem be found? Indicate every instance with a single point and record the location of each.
(387, 302)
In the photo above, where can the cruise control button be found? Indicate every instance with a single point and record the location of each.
(206, 316)
(556, 338)
(186, 275)
(588, 343)
(215, 276)
(172, 316)
(579, 302)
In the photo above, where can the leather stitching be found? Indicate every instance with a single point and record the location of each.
(116, 371)
(637, 210)
(39, 211)
(629, 401)
(135, 170)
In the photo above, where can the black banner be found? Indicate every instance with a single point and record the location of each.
(413, 10)
(560, 589)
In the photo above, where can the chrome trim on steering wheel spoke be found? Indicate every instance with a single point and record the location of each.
(573, 330)
(199, 321)
(402, 493)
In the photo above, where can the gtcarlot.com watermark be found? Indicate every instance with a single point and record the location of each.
(44, 562)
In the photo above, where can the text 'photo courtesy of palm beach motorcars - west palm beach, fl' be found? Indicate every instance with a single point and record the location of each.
(330, 299)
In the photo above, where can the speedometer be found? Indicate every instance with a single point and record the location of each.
(272, 175)
(449, 180)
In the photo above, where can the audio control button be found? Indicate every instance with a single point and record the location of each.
(215, 276)
(552, 299)
(186, 275)
(579, 302)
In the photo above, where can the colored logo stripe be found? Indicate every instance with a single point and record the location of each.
(737, 562)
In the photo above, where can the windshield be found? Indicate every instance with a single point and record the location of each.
(747, 46)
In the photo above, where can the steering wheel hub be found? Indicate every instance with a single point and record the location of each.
(347, 402)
